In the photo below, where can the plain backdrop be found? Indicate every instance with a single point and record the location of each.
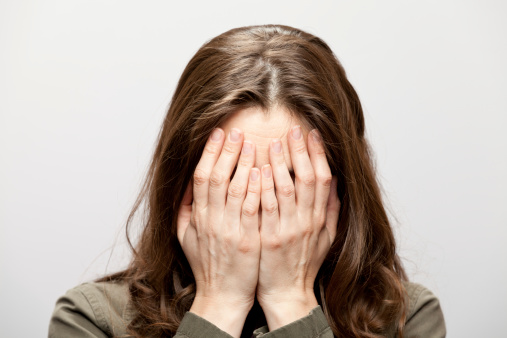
(84, 86)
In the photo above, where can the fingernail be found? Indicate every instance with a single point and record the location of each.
(254, 175)
(316, 135)
(247, 148)
(216, 134)
(234, 135)
(277, 145)
(296, 132)
(266, 171)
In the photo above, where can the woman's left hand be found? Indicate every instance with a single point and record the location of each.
(298, 226)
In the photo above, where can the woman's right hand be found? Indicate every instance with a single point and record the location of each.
(218, 229)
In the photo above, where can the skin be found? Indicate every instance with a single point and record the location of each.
(264, 233)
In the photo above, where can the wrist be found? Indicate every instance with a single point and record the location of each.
(226, 314)
(285, 309)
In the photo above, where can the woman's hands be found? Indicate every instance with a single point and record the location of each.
(218, 229)
(298, 226)
(233, 260)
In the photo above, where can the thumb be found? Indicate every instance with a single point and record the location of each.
(333, 210)
(184, 212)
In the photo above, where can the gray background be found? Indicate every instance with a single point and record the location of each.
(84, 87)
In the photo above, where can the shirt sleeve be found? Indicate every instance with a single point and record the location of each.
(194, 326)
(425, 318)
(74, 317)
(313, 325)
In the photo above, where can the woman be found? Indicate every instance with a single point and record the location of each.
(264, 215)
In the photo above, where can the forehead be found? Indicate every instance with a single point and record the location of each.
(260, 127)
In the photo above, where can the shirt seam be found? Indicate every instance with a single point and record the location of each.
(414, 299)
(96, 310)
(318, 334)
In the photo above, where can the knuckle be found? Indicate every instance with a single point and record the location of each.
(320, 150)
(273, 243)
(279, 161)
(249, 210)
(245, 246)
(243, 162)
(228, 149)
(235, 190)
(217, 179)
(210, 150)
(253, 189)
(308, 179)
(287, 190)
(325, 180)
(271, 208)
(200, 176)
(300, 148)
(268, 188)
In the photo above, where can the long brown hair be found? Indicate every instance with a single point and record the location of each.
(359, 285)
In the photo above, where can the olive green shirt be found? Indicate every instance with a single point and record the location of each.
(103, 310)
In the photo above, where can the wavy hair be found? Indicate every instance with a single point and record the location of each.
(359, 286)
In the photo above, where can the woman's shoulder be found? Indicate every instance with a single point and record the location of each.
(424, 313)
(101, 308)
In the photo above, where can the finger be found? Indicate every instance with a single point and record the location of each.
(269, 202)
(322, 171)
(221, 173)
(184, 213)
(203, 169)
(250, 210)
(333, 210)
(303, 170)
(285, 191)
(238, 187)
